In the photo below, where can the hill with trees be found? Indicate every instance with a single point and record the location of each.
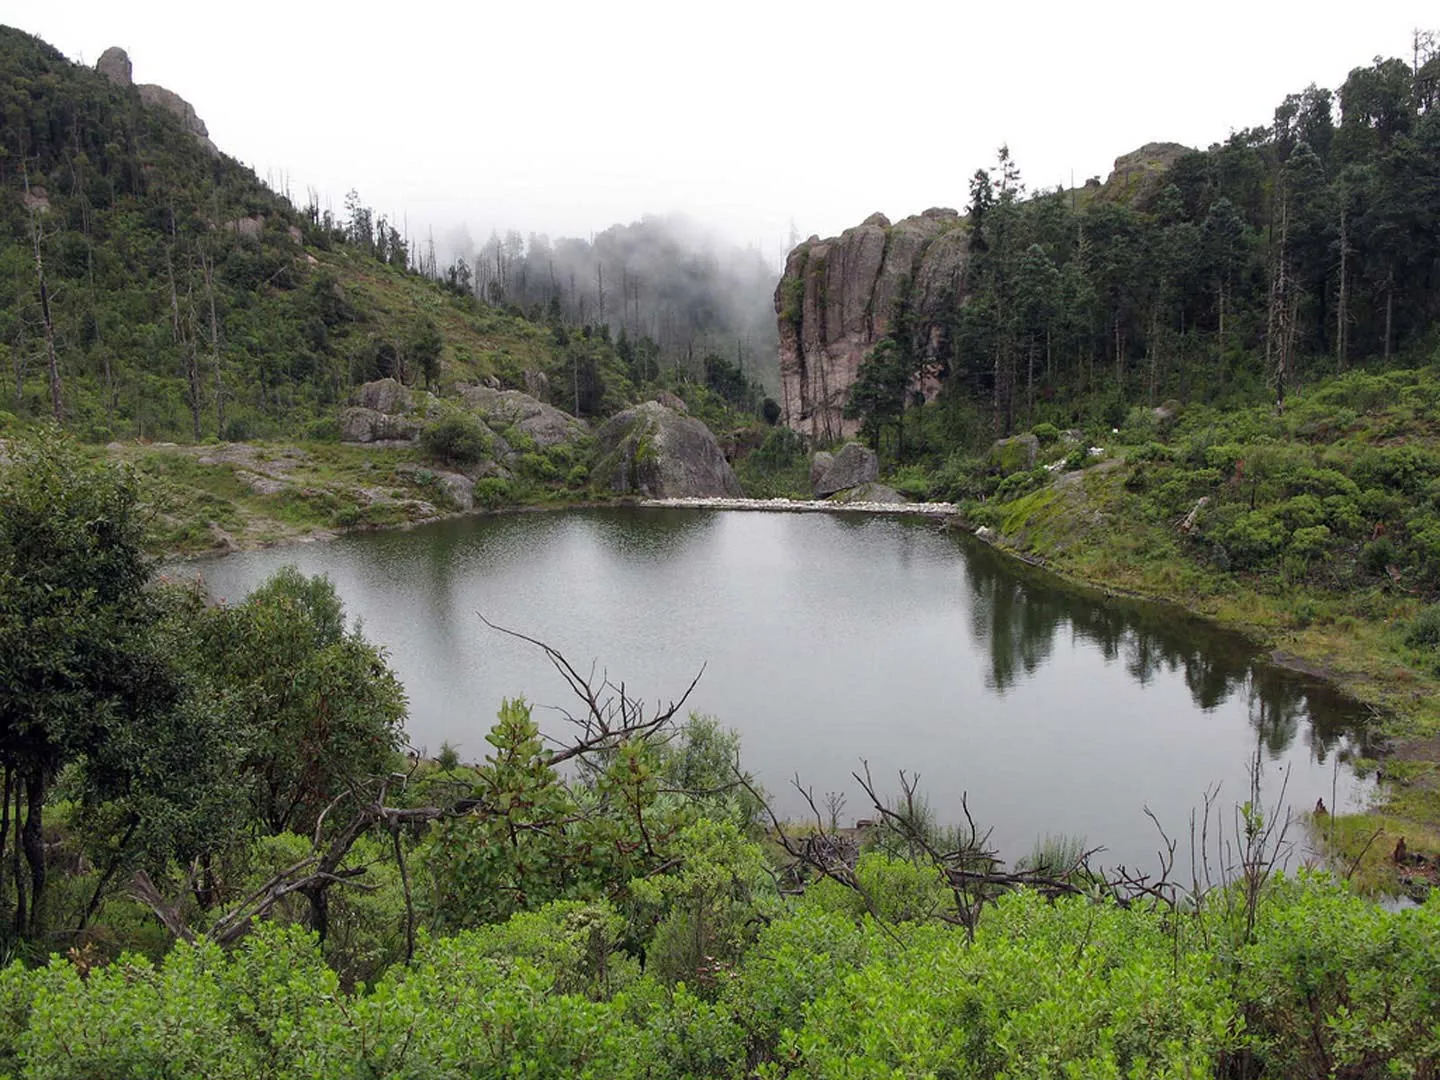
(154, 287)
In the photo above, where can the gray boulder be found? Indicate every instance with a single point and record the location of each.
(654, 451)
(362, 425)
(510, 409)
(853, 465)
(382, 395)
(819, 466)
(114, 64)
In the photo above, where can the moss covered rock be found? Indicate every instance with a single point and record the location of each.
(654, 451)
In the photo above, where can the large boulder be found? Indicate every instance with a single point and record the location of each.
(382, 395)
(654, 451)
(513, 411)
(853, 465)
(1015, 454)
(819, 466)
(361, 425)
(870, 493)
(386, 411)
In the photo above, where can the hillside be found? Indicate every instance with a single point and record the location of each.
(153, 287)
(1302, 248)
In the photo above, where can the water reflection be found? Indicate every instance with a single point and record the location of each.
(1020, 618)
(829, 639)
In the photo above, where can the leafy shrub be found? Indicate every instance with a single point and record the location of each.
(1423, 631)
(494, 492)
(456, 439)
(325, 429)
(1017, 484)
(1046, 433)
(911, 481)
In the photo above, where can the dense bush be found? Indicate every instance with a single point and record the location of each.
(456, 439)
(1323, 984)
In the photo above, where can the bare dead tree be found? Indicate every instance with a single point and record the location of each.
(609, 718)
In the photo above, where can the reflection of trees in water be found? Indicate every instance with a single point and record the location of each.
(648, 534)
(1020, 621)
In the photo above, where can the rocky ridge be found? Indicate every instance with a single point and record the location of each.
(114, 64)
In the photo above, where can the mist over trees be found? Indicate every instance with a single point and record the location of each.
(663, 278)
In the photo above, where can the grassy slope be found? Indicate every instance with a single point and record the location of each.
(1333, 606)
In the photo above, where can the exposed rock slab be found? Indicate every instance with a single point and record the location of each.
(511, 409)
(654, 451)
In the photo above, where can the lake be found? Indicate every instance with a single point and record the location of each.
(828, 640)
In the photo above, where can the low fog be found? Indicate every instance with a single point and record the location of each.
(668, 278)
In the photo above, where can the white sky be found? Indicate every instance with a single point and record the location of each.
(565, 117)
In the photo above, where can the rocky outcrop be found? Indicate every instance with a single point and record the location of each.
(1137, 175)
(853, 466)
(656, 452)
(839, 296)
(514, 412)
(385, 411)
(115, 65)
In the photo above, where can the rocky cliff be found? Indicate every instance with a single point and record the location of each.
(839, 296)
(114, 64)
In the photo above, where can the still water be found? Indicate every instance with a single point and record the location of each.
(829, 640)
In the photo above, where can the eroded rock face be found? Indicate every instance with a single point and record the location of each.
(1138, 174)
(361, 425)
(114, 64)
(853, 466)
(510, 409)
(654, 451)
(385, 411)
(839, 296)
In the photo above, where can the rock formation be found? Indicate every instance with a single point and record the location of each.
(839, 296)
(656, 452)
(1137, 174)
(853, 466)
(385, 411)
(115, 65)
(513, 411)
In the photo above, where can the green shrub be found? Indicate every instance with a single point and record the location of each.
(1046, 433)
(456, 439)
(912, 481)
(326, 429)
(1423, 631)
(494, 492)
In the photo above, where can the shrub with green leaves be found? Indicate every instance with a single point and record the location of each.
(457, 439)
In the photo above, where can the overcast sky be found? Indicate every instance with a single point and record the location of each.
(565, 118)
